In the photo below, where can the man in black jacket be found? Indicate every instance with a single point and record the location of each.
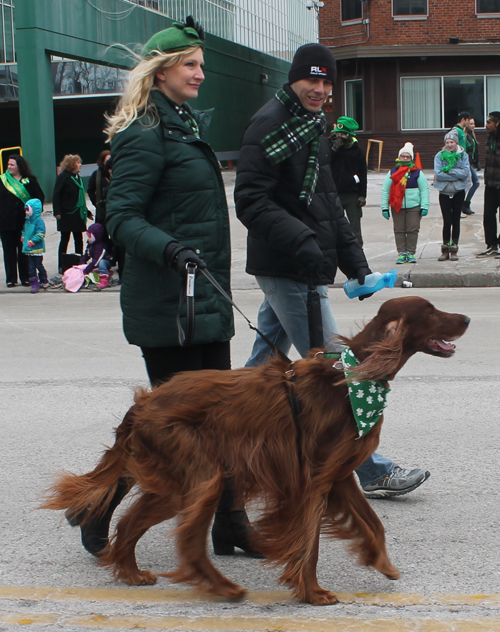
(297, 231)
(349, 171)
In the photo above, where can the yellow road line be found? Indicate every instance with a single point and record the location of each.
(152, 595)
(254, 624)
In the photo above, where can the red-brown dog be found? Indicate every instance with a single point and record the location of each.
(178, 441)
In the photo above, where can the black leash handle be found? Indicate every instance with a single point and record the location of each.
(218, 287)
(187, 294)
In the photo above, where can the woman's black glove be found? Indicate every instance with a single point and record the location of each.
(361, 276)
(176, 257)
(310, 257)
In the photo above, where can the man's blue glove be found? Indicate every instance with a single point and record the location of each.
(424, 212)
(386, 214)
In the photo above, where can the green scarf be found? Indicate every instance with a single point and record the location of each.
(368, 398)
(450, 159)
(16, 187)
(304, 128)
(404, 163)
(186, 116)
(81, 205)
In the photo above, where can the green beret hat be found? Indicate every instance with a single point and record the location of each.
(176, 38)
(346, 125)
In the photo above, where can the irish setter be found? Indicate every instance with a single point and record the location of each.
(179, 441)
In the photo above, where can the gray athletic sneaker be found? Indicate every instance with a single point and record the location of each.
(398, 482)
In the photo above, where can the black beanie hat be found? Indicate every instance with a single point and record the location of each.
(313, 60)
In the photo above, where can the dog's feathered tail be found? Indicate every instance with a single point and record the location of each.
(91, 493)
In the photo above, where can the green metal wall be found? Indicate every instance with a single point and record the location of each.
(77, 30)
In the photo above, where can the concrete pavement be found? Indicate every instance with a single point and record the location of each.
(379, 246)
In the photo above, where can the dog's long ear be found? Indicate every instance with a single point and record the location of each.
(385, 356)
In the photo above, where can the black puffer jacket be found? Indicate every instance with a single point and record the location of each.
(346, 163)
(278, 222)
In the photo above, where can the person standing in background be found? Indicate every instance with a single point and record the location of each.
(17, 186)
(406, 192)
(70, 206)
(349, 171)
(492, 186)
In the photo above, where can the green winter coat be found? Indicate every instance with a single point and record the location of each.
(166, 186)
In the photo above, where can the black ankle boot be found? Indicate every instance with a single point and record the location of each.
(95, 532)
(231, 527)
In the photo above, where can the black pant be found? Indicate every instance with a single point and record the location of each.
(63, 244)
(491, 205)
(163, 363)
(451, 209)
(13, 256)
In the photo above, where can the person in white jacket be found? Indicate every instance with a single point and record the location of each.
(406, 192)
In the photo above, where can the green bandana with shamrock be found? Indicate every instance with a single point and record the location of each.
(368, 398)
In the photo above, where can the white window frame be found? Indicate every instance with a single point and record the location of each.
(399, 17)
(485, 15)
(442, 78)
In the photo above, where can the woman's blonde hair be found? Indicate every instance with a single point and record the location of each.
(135, 100)
(69, 162)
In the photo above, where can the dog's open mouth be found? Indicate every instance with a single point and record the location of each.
(440, 347)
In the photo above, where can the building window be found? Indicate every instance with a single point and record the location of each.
(492, 94)
(434, 102)
(421, 103)
(488, 6)
(409, 7)
(351, 10)
(354, 101)
(463, 94)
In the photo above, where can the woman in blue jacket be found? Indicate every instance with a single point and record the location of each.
(452, 175)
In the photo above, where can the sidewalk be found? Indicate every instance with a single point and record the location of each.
(379, 246)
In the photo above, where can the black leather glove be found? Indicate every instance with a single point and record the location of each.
(361, 202)
(176, 257)
(362, 274)
(310, 257)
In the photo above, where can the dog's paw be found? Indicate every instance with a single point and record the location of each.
(321, 597)
(141, 578)
(230, 591)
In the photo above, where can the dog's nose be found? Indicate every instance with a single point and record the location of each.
(466, 321)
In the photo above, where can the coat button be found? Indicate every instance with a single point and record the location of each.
(184, 137)
(169, 131)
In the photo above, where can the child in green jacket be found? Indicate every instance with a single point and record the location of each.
(33, 238)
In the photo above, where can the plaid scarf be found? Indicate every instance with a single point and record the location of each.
(186, 117)
(304, 128)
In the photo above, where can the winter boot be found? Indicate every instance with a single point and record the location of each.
(95, 532)
(445, 252)
(231, 526)
(453, 251)
(35, 284)
(104, 281)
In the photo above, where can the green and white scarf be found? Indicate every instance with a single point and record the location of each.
(302, 129)
(16, 187)
(368, 398)
(81, 205)
(186, 117)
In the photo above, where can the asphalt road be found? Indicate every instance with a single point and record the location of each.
(66, 378)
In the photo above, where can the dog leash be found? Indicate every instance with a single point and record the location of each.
(185, 339)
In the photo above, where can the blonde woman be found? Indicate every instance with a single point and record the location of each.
(69, 204)
(166, 206)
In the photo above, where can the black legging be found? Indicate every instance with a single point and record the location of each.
(451, 209)
(163, 363)
(13, 256)
(63, 244)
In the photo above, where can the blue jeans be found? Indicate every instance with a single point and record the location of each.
(104, 266)
(283, 319)
(36, 266)
(475, 184)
